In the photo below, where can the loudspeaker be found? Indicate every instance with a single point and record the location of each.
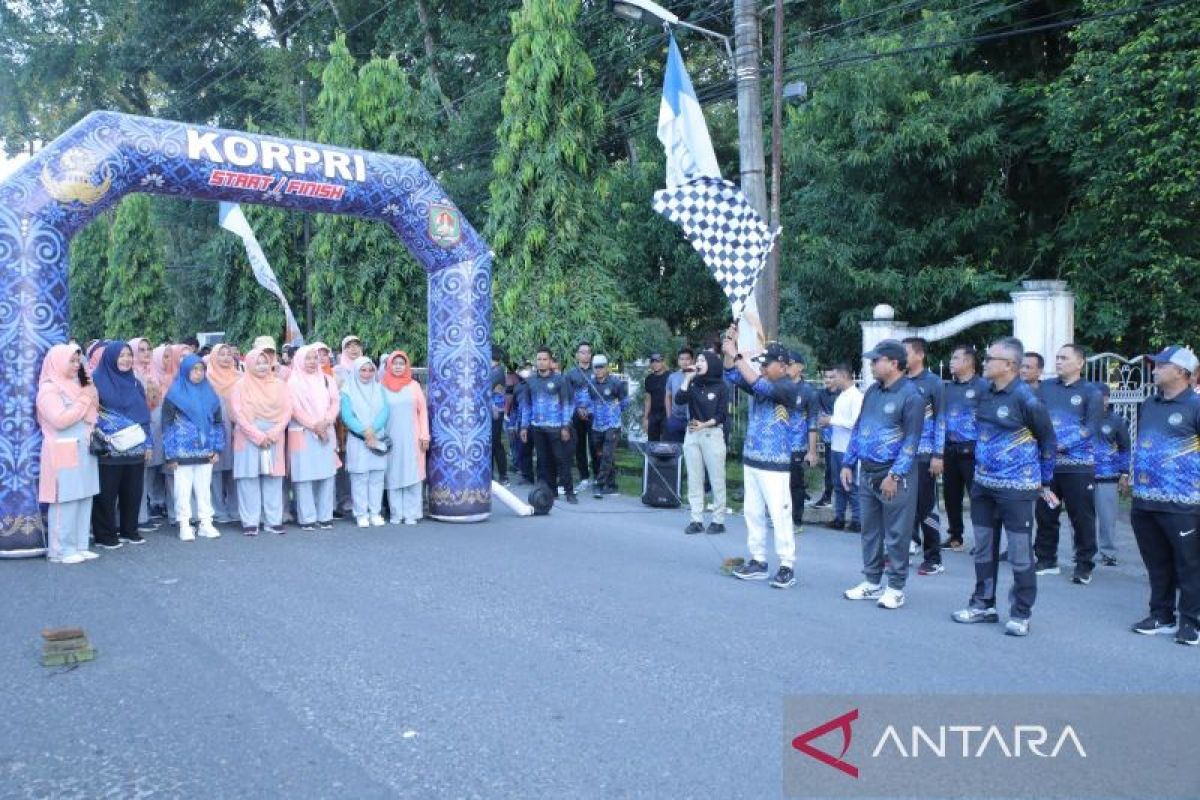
(660, 474)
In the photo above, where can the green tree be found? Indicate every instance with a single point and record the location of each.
(553, 285)
(363, 279)
(137, 301)
(895, 191)
(1126, 114)
(86, 277)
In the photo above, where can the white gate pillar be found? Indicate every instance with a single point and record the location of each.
(884, 325)
(1044, 318)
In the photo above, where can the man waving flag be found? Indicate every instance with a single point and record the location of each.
(715, 216)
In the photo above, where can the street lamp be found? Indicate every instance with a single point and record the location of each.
(647, 12)
(745, 64)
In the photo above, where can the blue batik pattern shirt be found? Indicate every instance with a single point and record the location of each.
(826, 398)
(1112, 448)
(962, 400)
(803, 417)
(933, 427)
(888, 430)
(768, 444)
(550, 403)
(606, 400)
(1075, 410)
(1166, 458)
(1016, 448)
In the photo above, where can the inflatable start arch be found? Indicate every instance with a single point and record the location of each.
(106, 156)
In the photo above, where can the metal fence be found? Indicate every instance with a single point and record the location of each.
(1129, 380)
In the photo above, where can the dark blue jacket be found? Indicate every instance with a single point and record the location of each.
(933, 427)
(962, 400)
(1075, 411)
(803, 417)
(1112, 448)
(1016, 449)
(768, 443)
(550, 402)
(1166, 458)
(888, 431)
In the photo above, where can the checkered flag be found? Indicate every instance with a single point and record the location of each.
(724, 228)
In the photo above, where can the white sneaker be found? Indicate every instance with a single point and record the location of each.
(410, 522)
(864, 591)
(186, 534)
(377, 520)
(892, 598)
(73, 558)
(88, 555)
(913, 548)
(207, 531)
(397, 520)
(364, 522)
(562, 491)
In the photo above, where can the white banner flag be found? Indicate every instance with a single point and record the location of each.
(233, 220)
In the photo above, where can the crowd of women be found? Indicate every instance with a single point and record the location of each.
(133, 432)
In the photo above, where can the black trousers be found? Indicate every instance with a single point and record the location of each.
(553, 458)
(992, 513)
(604, 451)
(654, 430)
(1170, 548)
(1076, 491)
(957, 480)
(830, 477)
(115, 511)
(582, 433)
(927, 530)
(525, 458)
(499, 457)
(798, 488)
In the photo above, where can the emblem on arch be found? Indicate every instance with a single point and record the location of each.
(445, 225)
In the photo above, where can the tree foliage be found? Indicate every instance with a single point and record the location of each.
(137, 300)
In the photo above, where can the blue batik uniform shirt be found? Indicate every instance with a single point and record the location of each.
(1075, 410)
(606, 400)
(550, 403)
(826, 398)
(1112, 448)
(933, 426)
(888, 430)
(1016, 449)
(803, 417)
(1166, 457)
(962, 401)
(768, 444)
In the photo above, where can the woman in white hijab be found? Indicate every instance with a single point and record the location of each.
(365, 415)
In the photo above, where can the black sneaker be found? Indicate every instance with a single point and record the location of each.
(930, 568)
(309, 527)
(784, 578)
(751, 571)
(1153, 626)
(822, 503)
(117, 545)
(572, 499)
(1108, 561)
(133, 538)
(148, 527)
(598, 493)
(715, 527)
(694, 527)
(953, 544)
(853, 527)
(1045, 567)
(276, 529)
(1082, 576)
(327, 525)
(1187, 633)
(837, 525)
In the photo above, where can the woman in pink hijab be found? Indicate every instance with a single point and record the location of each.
(312, 439)
(262, 408)
(70, 477)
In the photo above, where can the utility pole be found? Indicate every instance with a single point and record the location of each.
(746, 59)
(768, 282)
(308, 309)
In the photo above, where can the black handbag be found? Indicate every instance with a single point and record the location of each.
(98, 444)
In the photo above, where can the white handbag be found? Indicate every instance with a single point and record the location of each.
(266, 461)
(127, 438)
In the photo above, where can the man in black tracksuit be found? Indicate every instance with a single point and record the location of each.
(926, 525)
(1076, 408)
(546, 419)
(1166, 497)
(963, 392)
(578, 377)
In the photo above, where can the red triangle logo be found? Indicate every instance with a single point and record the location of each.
(842, 723)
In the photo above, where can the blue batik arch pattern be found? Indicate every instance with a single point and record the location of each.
(106, 156)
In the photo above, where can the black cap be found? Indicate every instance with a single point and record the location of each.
(888, 348)
(774, 352)
(798, 357)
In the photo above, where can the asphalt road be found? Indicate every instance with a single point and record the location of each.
(596, 652)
